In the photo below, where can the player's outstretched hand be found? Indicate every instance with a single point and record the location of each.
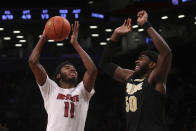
(44, 34)
(142, 17)
(125, 28)
(75, 30)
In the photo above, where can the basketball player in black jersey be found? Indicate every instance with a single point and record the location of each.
(146, 84)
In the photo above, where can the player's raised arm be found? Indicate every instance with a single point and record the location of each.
(107, 66)
(37, 69)
(162, 68)
(91, 70)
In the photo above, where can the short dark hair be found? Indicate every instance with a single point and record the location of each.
(151, 54)
(58, 69)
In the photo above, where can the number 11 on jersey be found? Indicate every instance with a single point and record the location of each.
(69, 109)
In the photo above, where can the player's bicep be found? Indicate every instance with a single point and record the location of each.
(39, 73)
(89, 80)
(162, 68)
(122, 75)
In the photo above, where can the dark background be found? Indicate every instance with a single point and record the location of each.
(21, 104)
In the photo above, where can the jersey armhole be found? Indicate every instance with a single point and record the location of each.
(85, 93)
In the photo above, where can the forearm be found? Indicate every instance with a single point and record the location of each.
(109, 51)
(87, 61)
(158, 41)
(115, 36)
(35, 55)
(106, 61)
(112, 47)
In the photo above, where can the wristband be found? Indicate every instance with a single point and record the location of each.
(146, 25)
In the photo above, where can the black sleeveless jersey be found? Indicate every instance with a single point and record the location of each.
(145, 107)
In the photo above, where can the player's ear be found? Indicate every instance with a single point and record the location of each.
(152, 65)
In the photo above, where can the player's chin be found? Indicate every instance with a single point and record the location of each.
(73, 77)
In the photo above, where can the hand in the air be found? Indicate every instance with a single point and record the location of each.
(125, 28)
(142, 17)
(75, 30)
(44, 34)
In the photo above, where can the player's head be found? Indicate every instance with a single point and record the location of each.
(66, 72)
(146, 62)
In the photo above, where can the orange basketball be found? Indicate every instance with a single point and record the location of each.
(57, 28)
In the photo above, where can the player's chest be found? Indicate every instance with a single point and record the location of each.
(134, 87)
(65, 103)
(65, 98)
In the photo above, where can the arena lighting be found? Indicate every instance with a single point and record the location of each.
(103, 43)
(195, 23)
(18, 45)
(22, 41)
(108, 30)
(97, 15)
(59, 44)
(1, 29)
(175, 2)
(185, 0)
(19, 36)
(7, 38)
(181, 16)
(95, 35)
(140, 30)
(195, 17)
(93, 27)
(164, 17)
(40, 36)
(90, 2)
(50, 40)
(107, 39)
(16, 31)
(135, 26)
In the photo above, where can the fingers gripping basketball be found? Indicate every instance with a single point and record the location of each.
(57, 28)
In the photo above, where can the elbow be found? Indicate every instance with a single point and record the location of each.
(32, 61)
(94, 71)
(168, 54)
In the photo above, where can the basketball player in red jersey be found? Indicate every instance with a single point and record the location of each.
(65, 101)
(146, 84)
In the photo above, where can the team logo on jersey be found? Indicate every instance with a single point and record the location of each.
(68, 97)
(132, 88)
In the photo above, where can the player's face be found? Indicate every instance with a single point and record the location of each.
(68, 73)
(141, 64)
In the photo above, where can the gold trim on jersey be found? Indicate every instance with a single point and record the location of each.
(139, 80)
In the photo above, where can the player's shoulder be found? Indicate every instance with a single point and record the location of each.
(51, 81)
(80, 84)
(129, 73)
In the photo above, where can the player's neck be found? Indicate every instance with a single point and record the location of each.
(137, 75)
(66, 85)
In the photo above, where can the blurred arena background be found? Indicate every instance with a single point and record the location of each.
(21, 24)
